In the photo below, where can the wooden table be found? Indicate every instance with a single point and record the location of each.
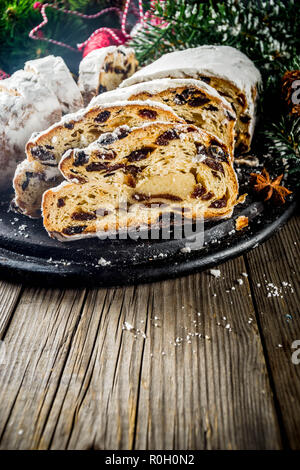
(208, 364)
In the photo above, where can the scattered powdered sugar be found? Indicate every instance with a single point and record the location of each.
(136, 331)
(278, 291)
(186, 249)
(215, 272)
(103, 262)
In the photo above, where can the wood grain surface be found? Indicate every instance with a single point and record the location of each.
(200, 362)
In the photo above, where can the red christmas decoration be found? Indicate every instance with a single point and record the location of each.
(103, 39)
(3, 75)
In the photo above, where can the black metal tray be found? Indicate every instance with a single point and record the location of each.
(28, 255)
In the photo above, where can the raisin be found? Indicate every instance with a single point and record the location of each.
(245, 119)
(201, 150)
(109, 155)
(107, 139)
(198, 191)
(80, 158)
(164, 138)
(25, 183)
(145, 197)
(61, 202)
(42, 154)
(241, 148)
(140, 154)
(148, 113)
(179, 99)
(79, 179)
(123, 132)
(108, 67)
(207, 196)
(102, 117)
(210, 107)
(84, 216)
(230, 116)
(73, 230)
(128, 69)
(133, 170)
(130, 181)
(241, 100)
(101, 89)
(219, 203)
(69, 125)
(198, 101)
(205, 79)
(215, 174)
(49, 147)
(214, 165)
(188, 92)
(217, 152)
(97, 166)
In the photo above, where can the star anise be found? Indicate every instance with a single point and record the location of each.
(269, 189)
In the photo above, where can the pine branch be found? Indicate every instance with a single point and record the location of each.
(266, 30)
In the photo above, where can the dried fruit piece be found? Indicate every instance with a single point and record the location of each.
(148, 113)
(241, 222)
(83, 216)
(103, 116)
(164, 138)
(139, 154)
(75, 229)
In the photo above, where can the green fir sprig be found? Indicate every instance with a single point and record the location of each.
(266, 30)
(18, 17)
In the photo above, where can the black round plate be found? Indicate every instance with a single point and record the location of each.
(28, 255)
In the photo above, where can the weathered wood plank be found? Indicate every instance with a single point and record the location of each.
(82, 382)
(37, 344)
(9, 295)
(274, 269)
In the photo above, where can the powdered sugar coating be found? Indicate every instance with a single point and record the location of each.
(221, 61)
(76, 117)
(224, 62)
(157, 86)
(59, 79)
(26, 105)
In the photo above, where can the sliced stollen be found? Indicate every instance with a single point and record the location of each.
(225, 68)
(156, 168)
(31, 180)
(193, 100)
(104, 69)
(85, 126)
(58, 77)
(75, 130)
(26, 105)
